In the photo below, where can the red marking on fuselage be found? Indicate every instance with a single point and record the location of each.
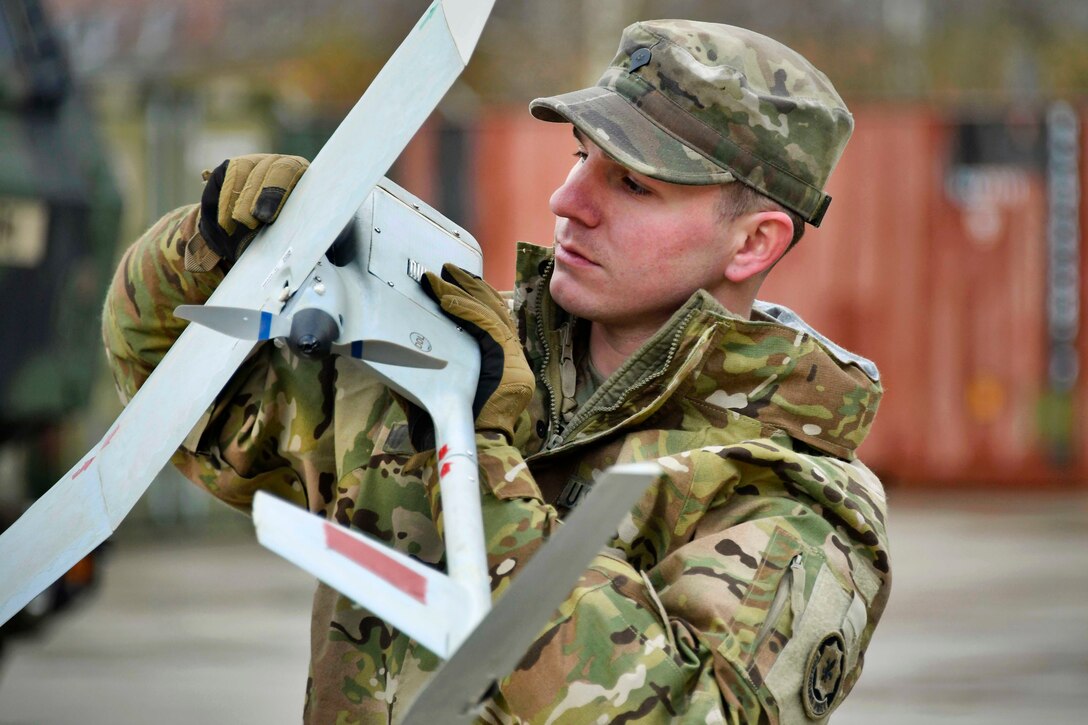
(442, 452)
(373, 560)
(445, 470)
(84, 467)
(110, 436)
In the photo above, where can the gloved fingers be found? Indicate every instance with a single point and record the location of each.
(240, 195)
(505, 386)
(461, 305)
(238, 170)
(476, 287)
(436, 288)
(493, 323)
(266, 188)
(213, 188)
(218, 240)
(509, 400)
(506, 382)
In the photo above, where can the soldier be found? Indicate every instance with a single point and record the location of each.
(746, 584)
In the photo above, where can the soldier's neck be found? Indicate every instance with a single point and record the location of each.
(611, 345)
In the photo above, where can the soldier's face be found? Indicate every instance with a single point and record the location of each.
(630, 250)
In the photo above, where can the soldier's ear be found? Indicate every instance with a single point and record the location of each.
(766, 237)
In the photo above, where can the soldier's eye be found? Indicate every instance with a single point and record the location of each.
(634, 187)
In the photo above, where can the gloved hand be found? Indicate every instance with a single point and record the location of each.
(242, 194)
(506, 382)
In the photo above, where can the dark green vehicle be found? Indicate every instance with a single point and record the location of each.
(59, 221)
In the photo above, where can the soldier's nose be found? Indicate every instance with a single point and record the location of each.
(575, 199)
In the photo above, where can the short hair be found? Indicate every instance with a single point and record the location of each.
(739, 199)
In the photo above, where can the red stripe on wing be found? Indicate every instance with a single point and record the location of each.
(377, 563)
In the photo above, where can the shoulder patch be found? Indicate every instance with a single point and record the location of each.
(823, 675)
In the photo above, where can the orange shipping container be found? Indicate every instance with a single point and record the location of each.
(945, 289)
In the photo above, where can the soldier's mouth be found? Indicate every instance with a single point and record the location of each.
(570, 255)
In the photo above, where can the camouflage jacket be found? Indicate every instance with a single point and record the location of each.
(744, 587)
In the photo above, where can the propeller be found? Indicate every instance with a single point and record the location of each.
(311, 332)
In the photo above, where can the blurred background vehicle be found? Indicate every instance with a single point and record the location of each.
(59, 219)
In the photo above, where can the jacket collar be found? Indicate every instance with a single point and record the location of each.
(772, 368)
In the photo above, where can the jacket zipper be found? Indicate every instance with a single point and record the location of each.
(584, 415)
(791, 589)
(553, 410)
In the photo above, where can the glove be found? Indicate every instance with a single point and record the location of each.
(506, 382)
(241, 195)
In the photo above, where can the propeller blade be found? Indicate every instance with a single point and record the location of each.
(237, 322)
(390, 353)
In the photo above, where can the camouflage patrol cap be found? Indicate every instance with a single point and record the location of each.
(703, 103)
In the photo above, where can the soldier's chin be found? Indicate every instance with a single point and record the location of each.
(569, 295)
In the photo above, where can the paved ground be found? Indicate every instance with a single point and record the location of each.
(988, 624)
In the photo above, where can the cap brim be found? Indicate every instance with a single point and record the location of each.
(628, 136)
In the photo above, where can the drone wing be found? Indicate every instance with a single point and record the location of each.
(89, 502)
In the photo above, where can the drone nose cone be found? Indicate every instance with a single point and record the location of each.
(313, 332)
(310, 346)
